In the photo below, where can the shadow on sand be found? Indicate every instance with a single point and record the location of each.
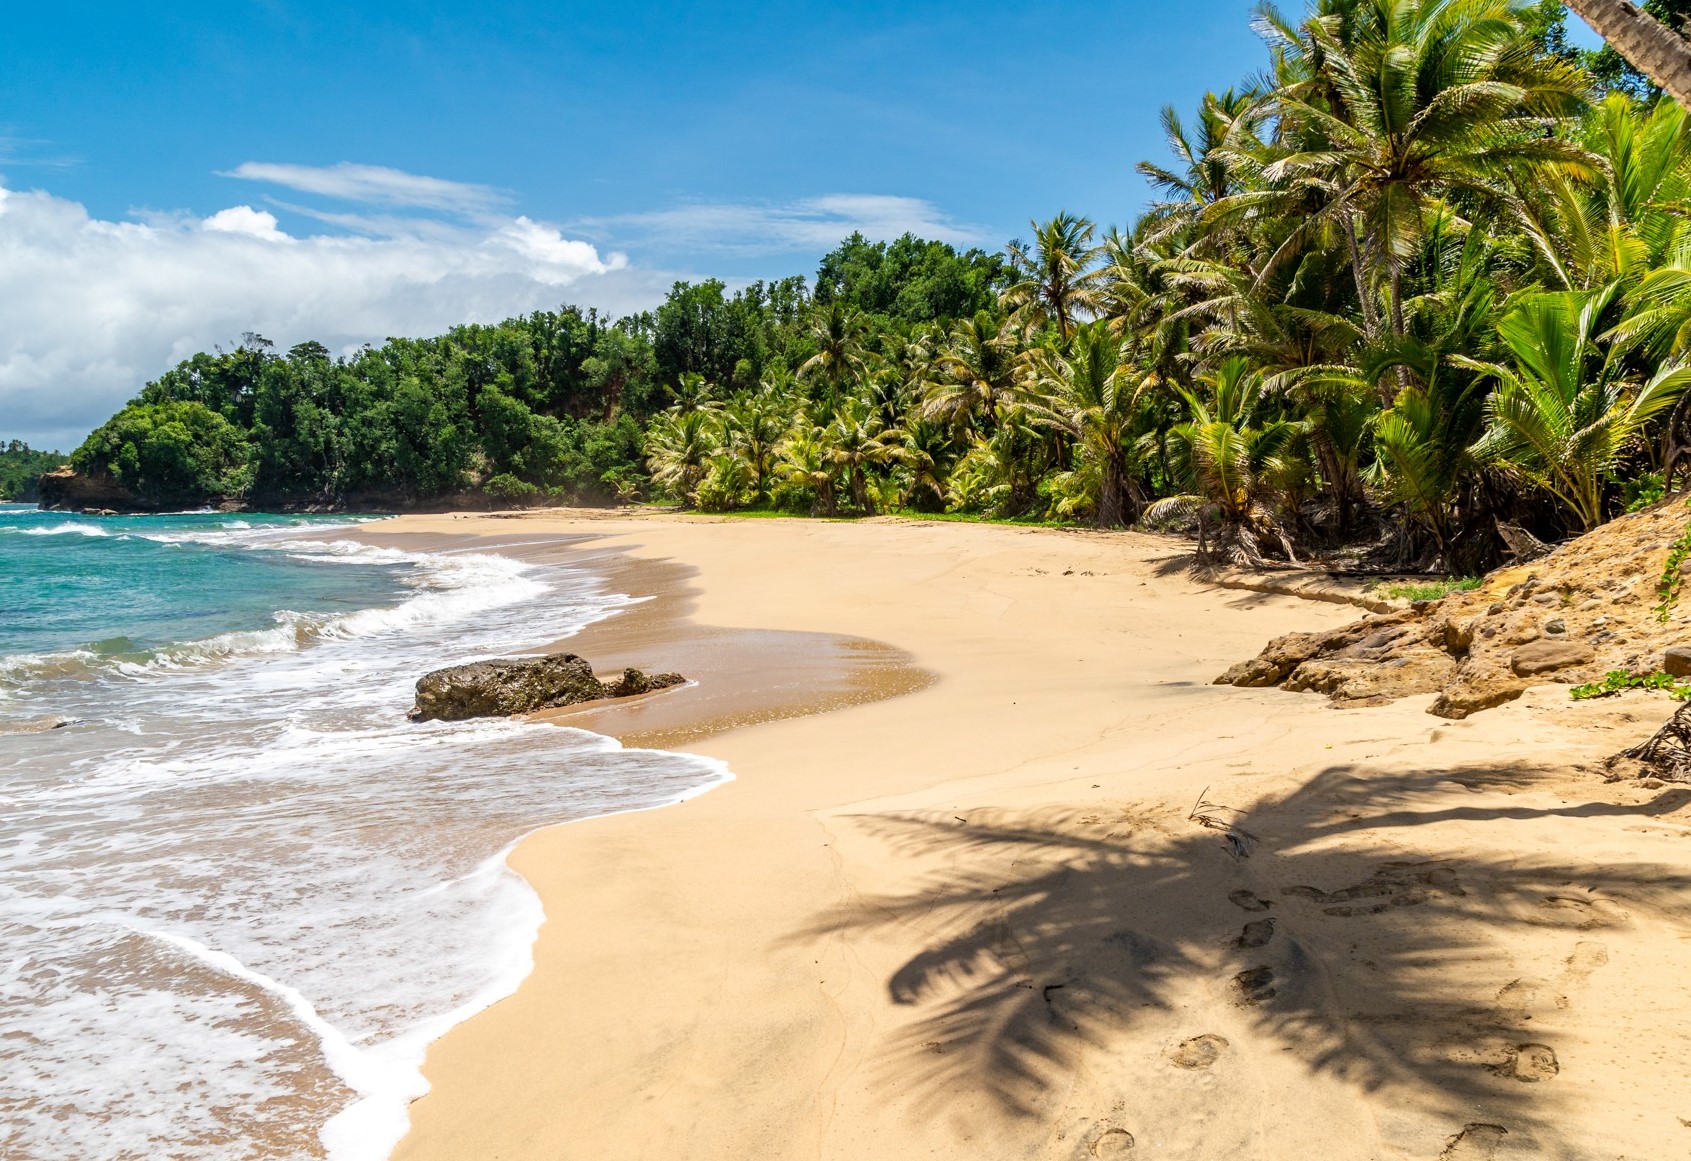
(1383, 962)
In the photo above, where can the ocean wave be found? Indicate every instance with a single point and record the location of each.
(68, 528)
(447, 589)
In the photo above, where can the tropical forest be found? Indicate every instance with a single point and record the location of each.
(1416, 293)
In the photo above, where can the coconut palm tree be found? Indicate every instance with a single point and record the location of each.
(840, 359)
(754, 426)
(1388, 106)
(692, 393)
(1058, 278)
(805, 465)
(856, 441)
(973, 373)
(1232, 461)
(679, 448)
(1563, 414)
(1093, 397)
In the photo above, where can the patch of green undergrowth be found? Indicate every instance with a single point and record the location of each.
(1429, 590)
(1618, 680)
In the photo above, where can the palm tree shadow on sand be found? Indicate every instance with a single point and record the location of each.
(1051, 932)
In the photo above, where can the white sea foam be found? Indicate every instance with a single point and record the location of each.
(243, 896)
(69, 528)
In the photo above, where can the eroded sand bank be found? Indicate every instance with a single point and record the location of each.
(978, 920)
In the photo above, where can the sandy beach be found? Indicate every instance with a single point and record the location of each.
(1003, 875)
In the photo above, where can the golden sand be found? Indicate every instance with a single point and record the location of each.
(1032, 887)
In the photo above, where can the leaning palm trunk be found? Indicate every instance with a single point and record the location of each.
(1648, 45)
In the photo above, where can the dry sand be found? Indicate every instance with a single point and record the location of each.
(978, 920)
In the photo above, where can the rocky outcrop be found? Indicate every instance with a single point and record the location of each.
(68, 490)
(1585, 610)
(501, 688)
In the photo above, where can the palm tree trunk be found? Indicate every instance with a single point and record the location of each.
(1364, 299)
(1110, 496)
(1649, 46)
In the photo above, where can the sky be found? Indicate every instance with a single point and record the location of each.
(174, 175)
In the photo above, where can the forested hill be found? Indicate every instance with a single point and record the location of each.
(21, 466)
(549, 406)
(1419, 292)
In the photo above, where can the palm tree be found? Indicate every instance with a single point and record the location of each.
(972, 374)
(1387, 106)
(1648, 45)
(1092, 396)
(837, 330)
(754, 426)
(804, 463)
(1563, 415)
(856, 441)
(1058, 277)
(926, 453)
(1233, 460)
(679, 448)
(692, 393)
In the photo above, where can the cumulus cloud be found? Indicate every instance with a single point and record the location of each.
(246, 220)
(806, 224)
(373, 185)
(95, 308)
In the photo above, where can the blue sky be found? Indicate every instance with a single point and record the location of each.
(185, 171)
(590, 114)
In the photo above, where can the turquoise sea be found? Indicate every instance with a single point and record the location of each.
(239, 892)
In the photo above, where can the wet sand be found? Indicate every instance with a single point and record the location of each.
(1033, 888)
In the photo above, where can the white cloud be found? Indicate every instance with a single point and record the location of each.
(373, 185)
(246, 220)
(95, 308)
(808, 224)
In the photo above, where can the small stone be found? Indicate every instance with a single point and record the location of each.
(1556, 626)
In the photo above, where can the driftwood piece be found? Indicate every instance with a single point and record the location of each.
(1666, 754)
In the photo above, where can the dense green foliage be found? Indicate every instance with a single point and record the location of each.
(550, 406)
(20, 466)
(1422, 284)
(174, 452)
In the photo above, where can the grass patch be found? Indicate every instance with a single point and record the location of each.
(1429, 590)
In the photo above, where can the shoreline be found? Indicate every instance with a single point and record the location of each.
(798, 963)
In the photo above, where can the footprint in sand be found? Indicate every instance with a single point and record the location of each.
(1530, 994)
(1111, 1143)
(1255, 985)
(1255, 934)
(1587, 957)
(1474, 1143)
(1248, 900)
(1531, 1063)
(1198, 1052)
(1579, 912)
(1393, 885)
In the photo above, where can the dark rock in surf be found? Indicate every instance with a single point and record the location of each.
(486, 689)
